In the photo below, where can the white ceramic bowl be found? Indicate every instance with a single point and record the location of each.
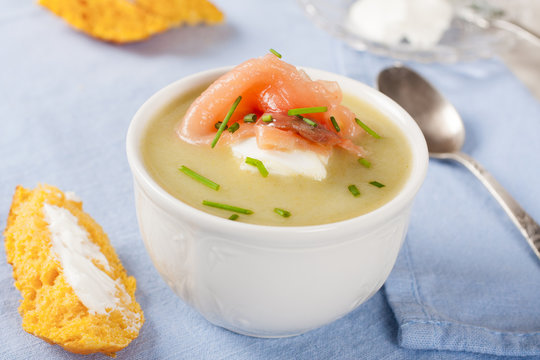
(270, 281)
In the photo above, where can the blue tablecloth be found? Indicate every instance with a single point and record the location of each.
(66, 103)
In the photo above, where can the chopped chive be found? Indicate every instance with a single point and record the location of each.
(377, 184)
(308, 110)
(233, 217)
(199, 178)
(250, 118)
(267, 118)
(234, 127)
(334, 122)
(364, 162)
(225, 121)
(282, 212)
(227, 207)
(218, 124)
(258, 164)
(367, 129)
(309, 122)
(275, 53)
(354, 190)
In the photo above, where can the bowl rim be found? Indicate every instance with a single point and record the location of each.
(307, 235)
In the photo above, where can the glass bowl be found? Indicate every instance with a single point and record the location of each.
(463, 40)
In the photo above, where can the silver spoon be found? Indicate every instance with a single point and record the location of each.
(444, 132)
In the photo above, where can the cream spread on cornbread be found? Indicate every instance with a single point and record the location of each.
(71, 196)
(77, 256)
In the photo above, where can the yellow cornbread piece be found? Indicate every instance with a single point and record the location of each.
(123, 21)
(183, 11)
(110, 20)
(50, 308)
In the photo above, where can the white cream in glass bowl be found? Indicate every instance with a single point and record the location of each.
(271, 281)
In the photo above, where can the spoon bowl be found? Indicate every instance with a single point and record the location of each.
(438, 119)
(445, 133)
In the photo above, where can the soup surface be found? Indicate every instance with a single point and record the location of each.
(310, 202)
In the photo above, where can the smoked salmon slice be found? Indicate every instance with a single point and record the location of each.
(271, 86)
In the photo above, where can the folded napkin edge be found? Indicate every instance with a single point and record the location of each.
(446, 335)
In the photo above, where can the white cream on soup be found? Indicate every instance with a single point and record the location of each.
(288, 163)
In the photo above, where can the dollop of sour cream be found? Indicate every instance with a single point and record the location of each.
(420, 23)
(74, 250)
(297, 162)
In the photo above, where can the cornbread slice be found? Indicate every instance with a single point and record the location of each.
(191, 12)
(75, 291)
(123, 21)
(117, 21)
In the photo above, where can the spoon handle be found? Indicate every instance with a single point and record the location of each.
(525, 223)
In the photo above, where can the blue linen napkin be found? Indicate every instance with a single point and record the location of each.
(465, 279)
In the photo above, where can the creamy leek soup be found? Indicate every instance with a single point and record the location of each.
(308, 201)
